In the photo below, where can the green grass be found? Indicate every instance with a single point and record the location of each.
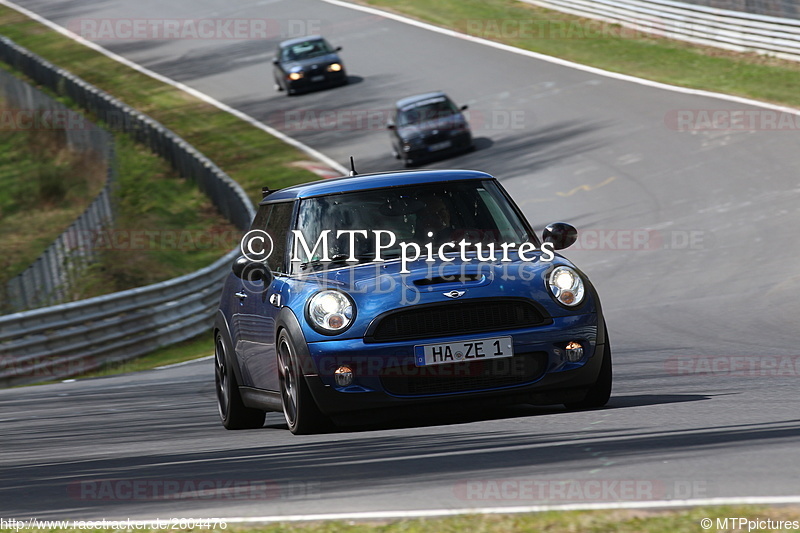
(43, 187)
(250, 156)
(622, 521)
(610, 47)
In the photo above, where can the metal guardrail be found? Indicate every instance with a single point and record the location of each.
(65, 340)
(732, 30)
(789, 9)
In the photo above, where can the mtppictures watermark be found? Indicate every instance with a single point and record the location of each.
(386, 240)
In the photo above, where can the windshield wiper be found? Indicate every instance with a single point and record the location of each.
(337, 259)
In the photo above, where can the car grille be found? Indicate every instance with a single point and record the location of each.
(437, 137)
(472, 316)
(452, 378)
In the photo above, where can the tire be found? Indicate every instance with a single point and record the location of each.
(299, 408)
(232, 410)
(600, 392)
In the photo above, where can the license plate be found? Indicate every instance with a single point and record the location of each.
(458, 352)
(317, 78)
(439, 146)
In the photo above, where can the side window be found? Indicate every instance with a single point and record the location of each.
(278, 223)
(275, 220)
(262, 215)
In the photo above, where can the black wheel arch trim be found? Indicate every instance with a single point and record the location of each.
(221, 325)
(288, 321)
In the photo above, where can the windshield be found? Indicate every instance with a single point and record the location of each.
(432, 109)
(474, 211)
(306, 50)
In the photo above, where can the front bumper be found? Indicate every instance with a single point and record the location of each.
(459, 143)
(311, 82)
(386, 377)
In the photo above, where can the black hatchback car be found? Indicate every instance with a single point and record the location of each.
(428, 126)
(307, 63)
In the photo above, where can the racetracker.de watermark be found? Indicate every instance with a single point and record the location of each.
(371, 119)
(161, 29)
(47, 367)
(516, 28)
(190, 489)
(578, 490)
(732, 120)
(145, 240)
(734, 365)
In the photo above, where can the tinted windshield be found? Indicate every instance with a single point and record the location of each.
(306, 50)
(474, 211)
(432, 109)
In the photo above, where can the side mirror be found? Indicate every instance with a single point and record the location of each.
(338, 48)
(275, 61)
(464, 107)
(560, 234)
(249, 270)
(390, 125)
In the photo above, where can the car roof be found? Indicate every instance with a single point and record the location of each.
(298, 40)
(404, 102)
(379, 180)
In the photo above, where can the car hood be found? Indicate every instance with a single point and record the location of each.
(450, 122)
(304, 64)
(380, 287)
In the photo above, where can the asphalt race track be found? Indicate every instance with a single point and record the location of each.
(690, 237)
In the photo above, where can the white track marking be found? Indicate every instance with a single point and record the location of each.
(432, 513)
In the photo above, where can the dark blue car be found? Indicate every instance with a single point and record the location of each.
(428, 126)
(307, 63)
(358, 295)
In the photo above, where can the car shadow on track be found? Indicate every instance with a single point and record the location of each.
(444, 416)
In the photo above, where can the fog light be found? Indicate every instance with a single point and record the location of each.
(574, 352)
(343, 376)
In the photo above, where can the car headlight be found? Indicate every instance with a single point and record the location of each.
(411, 143)
(294, 76)
(566, 286)
(330, 312)
(334, 67)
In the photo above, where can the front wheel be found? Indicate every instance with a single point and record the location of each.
(299, 408)
(600, 392)
(232, 411)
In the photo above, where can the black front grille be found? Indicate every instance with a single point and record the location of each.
(472, 316)
(454, 378)
(433, 138)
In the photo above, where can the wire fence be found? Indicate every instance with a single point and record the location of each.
(49, 280)
(59, 341)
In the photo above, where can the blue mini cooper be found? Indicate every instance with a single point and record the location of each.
(358, 295)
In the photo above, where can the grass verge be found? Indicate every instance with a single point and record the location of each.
(610, 47)
(615, 521)
(195, 348)
(44, 186)
(152, 199)
(244, 152)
